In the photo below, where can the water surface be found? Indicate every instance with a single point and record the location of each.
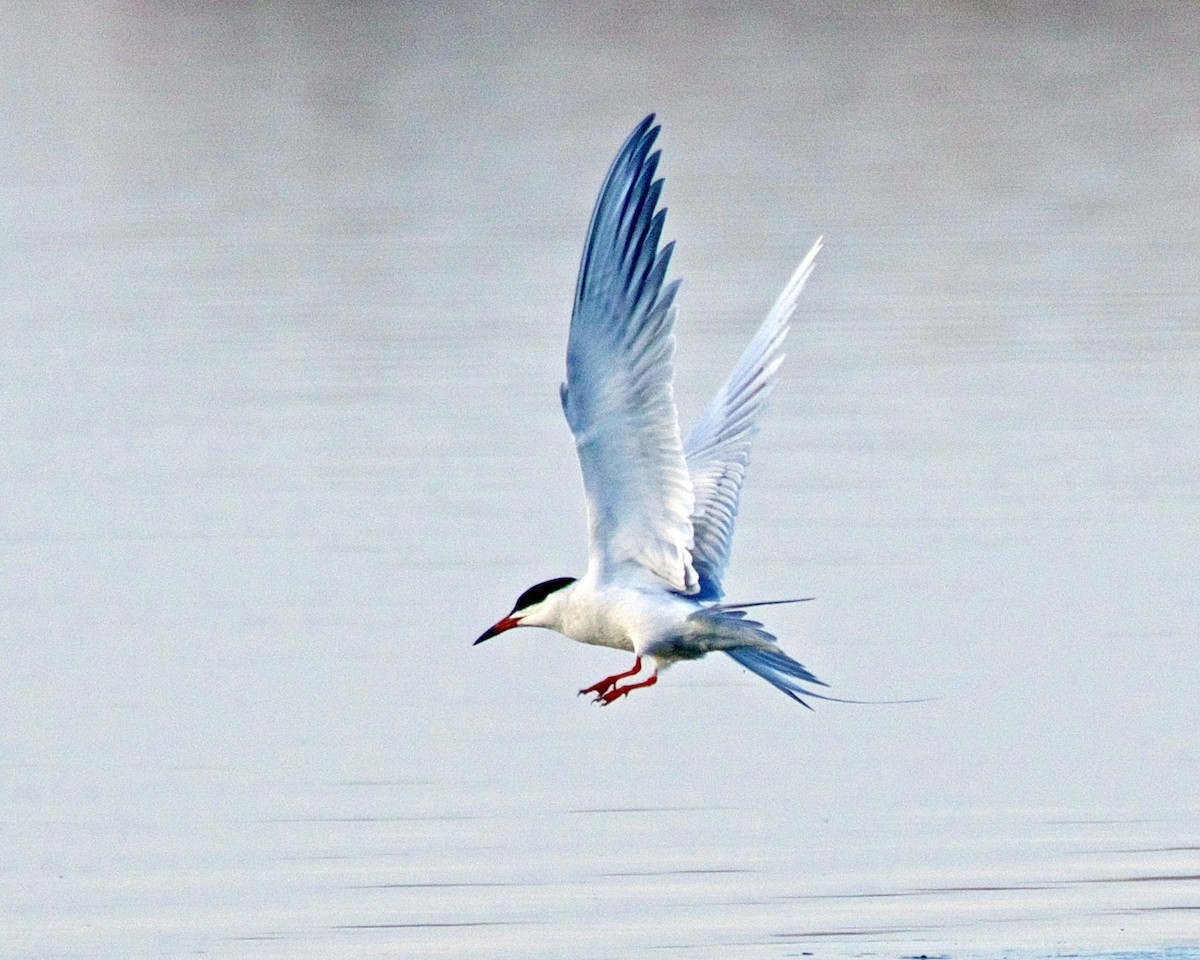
(285, 294)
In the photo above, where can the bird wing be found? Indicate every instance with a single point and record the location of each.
(618, 397)
(717, 448)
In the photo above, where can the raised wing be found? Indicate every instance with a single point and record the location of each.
(718, 446)
(618, 397)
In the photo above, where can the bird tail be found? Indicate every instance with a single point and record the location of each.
(779, 670)
(758, 603)
(748, 642)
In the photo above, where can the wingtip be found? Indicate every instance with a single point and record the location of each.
(645, 132)
(806, 264)
(780, 314)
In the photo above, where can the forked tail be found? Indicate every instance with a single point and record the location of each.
(779, 670)
(726, 627)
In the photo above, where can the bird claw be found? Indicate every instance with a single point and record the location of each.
(604, 699)
(604, 693)
(604, 688)
(599, 689)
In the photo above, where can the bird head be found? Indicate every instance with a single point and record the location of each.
(533, 608)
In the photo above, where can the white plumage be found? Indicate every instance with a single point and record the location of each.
(661, 510)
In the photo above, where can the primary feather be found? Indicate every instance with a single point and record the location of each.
(618, 397)
(717, 448)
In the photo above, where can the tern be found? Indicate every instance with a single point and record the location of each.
(660, 507)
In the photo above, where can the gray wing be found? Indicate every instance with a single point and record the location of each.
(618, 397)
(718, 446)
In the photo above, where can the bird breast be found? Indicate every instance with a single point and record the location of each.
(624, 618)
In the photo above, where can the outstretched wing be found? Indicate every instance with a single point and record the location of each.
(618, 397)
(718, 446)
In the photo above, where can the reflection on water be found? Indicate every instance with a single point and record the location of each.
(284, 309)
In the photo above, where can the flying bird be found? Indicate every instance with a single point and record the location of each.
(660, 507)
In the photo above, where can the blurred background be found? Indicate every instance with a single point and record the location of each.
(284, 293)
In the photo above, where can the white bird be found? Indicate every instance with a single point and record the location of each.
(660, 509)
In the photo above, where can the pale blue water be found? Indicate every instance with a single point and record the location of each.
(284, 299)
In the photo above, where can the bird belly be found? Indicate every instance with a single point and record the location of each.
(625, 619)
(591, 626)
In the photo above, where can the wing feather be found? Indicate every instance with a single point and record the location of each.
(717, 448)
(618, 397)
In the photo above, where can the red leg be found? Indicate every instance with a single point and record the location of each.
(606, 698)
(601, 688)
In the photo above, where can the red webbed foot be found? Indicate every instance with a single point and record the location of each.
(605, 686)
(604, 699)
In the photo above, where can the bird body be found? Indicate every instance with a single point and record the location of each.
(620, 616)
(661, 507)
(654, 623)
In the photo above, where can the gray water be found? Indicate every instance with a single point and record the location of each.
(283, 300)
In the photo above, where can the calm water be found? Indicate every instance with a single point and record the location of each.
(284, 296)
